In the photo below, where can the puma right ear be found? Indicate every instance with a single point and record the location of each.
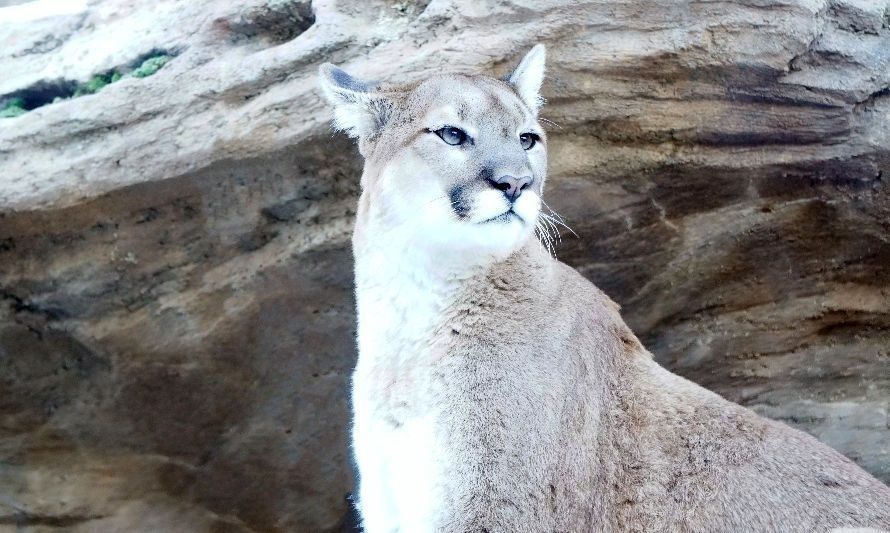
(528, 76)
(359, 110)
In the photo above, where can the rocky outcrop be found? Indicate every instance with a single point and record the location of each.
(176, 314)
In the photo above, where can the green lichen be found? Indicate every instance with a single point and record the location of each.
(97, 83)
(94, 85)
(13, 107)
(150, 66)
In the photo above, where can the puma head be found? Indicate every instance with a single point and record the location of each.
(456, 162)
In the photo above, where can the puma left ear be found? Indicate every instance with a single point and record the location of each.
(359, 110)
(528, 76)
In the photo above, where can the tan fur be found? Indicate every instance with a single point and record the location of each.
(498, 390)
(577, 429)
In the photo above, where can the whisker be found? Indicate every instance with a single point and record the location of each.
(563, 224)
(436, 199)
(559, 219)
(555, 237)
(544, 235)
(549, 221)
(539, 233)
(548, 121)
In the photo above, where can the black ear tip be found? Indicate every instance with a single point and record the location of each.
(340, 78)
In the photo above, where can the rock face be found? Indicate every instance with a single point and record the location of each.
(176, 313)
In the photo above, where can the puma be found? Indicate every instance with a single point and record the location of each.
(497, 390)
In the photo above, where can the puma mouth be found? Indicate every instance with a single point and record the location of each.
(503, 217)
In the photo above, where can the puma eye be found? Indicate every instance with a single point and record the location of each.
(451, 135)
(527, 140)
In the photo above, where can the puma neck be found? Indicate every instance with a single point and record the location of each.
(405, 288)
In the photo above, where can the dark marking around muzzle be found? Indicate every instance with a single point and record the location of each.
(486, 174)
(459, 204)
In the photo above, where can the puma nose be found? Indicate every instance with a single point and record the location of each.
(511, 185)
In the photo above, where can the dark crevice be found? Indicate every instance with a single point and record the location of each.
(871, 98)
(274, 23)
(27, 519)
(45, 92)
(42, 93)
(154, 52)
(848, 18)
(21, 305)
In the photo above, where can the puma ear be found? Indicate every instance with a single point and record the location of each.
(359, 111)
(528, 76)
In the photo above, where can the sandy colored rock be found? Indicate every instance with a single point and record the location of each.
(176, 311)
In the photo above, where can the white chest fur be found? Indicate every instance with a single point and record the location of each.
(396, 440)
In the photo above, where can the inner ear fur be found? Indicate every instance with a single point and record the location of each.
(360, 110)
(528, 77)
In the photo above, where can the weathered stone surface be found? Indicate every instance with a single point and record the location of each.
(176, 314)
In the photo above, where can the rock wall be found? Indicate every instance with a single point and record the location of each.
(176, 314)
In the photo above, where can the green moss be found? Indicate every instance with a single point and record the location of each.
(94, 85)
(12, 108)
(150, 66)
(97, 83)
